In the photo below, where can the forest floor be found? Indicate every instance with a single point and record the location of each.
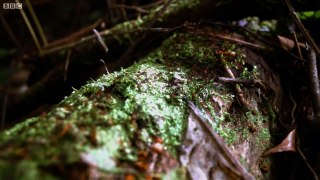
(204, 100)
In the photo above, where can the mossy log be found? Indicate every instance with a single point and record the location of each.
(131, 123)
(48, 80)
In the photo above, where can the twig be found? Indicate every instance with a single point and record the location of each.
(293, 109)
(252, 34)
(151, 5)
(239, 41)
(100, 40)
(67, 46)
(307, 163)
(296, 44)
(302, 28)
(33, 34)
(312, 62)
(149, 25)
(244, 29)
(75, 36)
(236, 167)
(136, 8)
(236, 81)
(314, 82)
(37, 23)
(103, 45)
(238, 89)
(105, 66)
(66, 66)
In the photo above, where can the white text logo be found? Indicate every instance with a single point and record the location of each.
(12, 6)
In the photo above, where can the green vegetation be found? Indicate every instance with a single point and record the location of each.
(103, 120)
(308, 15)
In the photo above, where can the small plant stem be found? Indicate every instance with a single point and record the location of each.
(38, 25)
(100, 40)
(66, 66)
(33, 34)
(307, 163)
(296, 44)
(302, 28)
(238, 89)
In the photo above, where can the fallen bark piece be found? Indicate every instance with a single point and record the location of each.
(205, 154)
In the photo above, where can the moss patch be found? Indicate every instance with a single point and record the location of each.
(108, 122)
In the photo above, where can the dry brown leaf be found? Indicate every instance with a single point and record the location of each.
(288, 44)
(288, 144)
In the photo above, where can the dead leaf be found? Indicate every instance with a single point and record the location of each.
(288, 144)
(288, 44)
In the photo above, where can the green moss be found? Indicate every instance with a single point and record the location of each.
(177, 174)
(110, 141)
(104, 120)
(19, 128)
(24, 170)
(186, 46)
(141, 22)
(261, 125)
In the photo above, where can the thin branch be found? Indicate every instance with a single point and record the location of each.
(37, 23)
(314, 82)
(238, 89)
(104, 33)
(247, 82)
(105, 66)
(236, 81)
(149, 25)
(302, 28)
(293, 108)
(66, 66)
(136, 8)
(33, 34)
(244, 29)
(312, 62)
(219, 144)
(151, 5)
(296, 44)
(252, 34)
(307, 163)
(239, 41)
(75, 36)
(100, 40)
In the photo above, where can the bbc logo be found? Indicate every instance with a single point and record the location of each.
(12, 5)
